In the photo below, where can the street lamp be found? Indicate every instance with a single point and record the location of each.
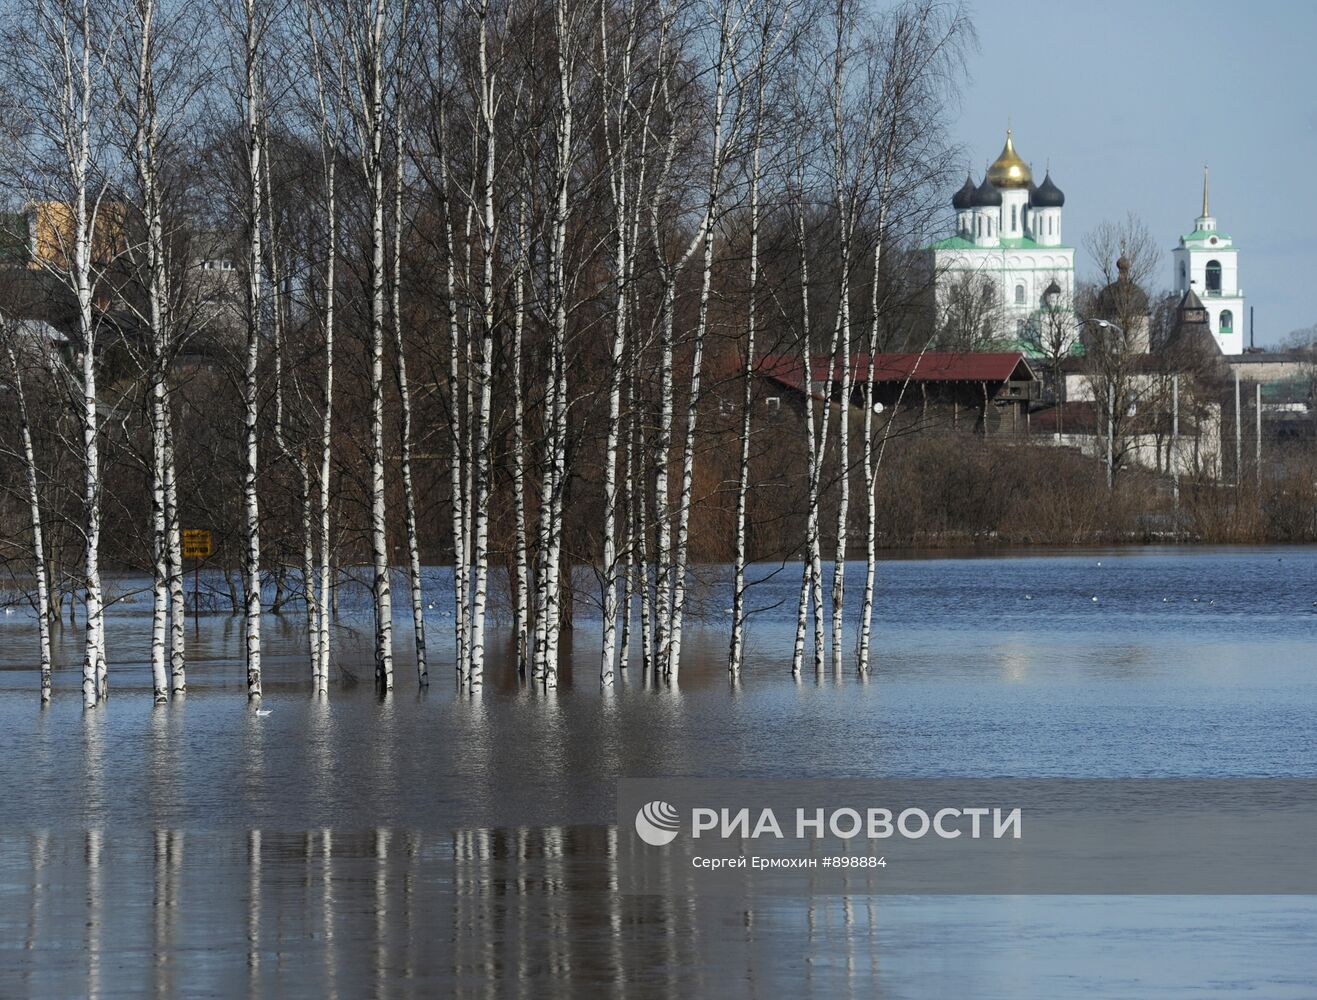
(1106, 325)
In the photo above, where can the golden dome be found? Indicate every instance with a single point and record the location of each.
(1009, 171)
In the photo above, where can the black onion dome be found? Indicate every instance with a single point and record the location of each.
(1123, 297)
(964, 198)
(986, 195)
(1047, 194)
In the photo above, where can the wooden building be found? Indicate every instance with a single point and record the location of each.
(987, 392)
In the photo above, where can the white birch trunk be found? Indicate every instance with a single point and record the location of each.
(483, 477)
(811, 442)
(469, 437)
(539, 667)
(251, 504)
(554, 571)
(159, 542)
(71, 90)
(143, 156)
(521, 604)
(326, 430)
(310, 604)
(641, 536)
(607, 651)
(455, 436)
(38, 536)
(76, 86)
(177, 596)
(870, 499)
(870, 466)
(328, 135)
(688, 466)
(405, 405)
(662, 460)
(556, 438)
(629, 544)
(737, 650)
(843, 451)
(815, 497)
(726, 55)
(374, 117)
(845, 211)
(626, 223)
(667, 275)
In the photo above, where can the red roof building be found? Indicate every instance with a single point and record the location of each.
(984, 383)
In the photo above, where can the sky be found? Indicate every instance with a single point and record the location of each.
(1128, 100)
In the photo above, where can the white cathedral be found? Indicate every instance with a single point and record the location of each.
(1007, 247)
(1007, 253)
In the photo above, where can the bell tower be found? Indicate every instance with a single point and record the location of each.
(1206, 261)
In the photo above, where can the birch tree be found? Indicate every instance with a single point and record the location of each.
(626, 134)
(816, 434)
(548, 585)
(729, 29)
(400, 370)
(174, 567)
(142, 99)
(328, 131)
(844, 205)
(912, 64)
(29, 460)
(250, 28)
(62, 57)
(365, 28)
(521, 581)
(672, 551)
(441, 182)
(766, 19)
(484, 415)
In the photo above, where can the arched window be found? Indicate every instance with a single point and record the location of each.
(978, 226)
(1015, 224)
(1051, 225)
(1019, 295)
(1227, 321)
(1214, 276)
(1183, 283)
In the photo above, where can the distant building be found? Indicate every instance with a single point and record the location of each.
(1124, 303)
(983, 392)
(1207, 262)
(213, 293)
(1006, 250)
(52, 237)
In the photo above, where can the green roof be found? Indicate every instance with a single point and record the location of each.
(1024, 243)
(1006, 243)
(953, 243)
(1204, 235)
(1026, 347)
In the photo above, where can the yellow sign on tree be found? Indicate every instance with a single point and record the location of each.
(197, 543)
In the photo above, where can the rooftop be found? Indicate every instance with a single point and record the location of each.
(931, 366)
(1005, 243)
